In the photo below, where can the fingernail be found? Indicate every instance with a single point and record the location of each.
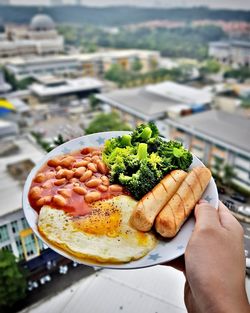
(202, 201)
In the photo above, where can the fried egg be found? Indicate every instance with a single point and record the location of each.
(104, 235)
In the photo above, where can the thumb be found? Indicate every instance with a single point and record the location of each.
(206, 216)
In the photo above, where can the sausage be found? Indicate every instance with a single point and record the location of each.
(150, 205)
(176, 211)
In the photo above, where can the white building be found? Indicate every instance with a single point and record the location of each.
(87, 64)
(16, 160)
(233, 52)
(41, 37)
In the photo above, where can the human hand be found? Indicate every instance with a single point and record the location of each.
(214, 263)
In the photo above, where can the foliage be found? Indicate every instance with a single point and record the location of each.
(245, 103)
(17, 84)
(137, 65)
(126, 78)
(228, 174)
(12, 280)
(93, 102)
(240, 74)
(106, 122)
(46, 145)
(113, 15)
(210, 66)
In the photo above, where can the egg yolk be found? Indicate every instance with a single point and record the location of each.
(105, 219)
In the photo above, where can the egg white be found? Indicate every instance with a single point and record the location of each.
(82, 238)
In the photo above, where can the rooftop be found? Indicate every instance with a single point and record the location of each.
(10, 188)
(154, 101)
(232, 43)
(229, 129)
(67, 86)
(139, 102)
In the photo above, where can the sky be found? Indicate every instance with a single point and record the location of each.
(229, 4)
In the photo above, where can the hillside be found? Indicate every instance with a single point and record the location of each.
(115, 16)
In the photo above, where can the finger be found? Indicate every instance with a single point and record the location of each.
(227, 219)
(178, 264)
(206, 216)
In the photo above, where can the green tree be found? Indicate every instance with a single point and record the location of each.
(228, 174)
(115, 72)
(211, 66)
(137, 65)
(218, 164)
(12, 281)
(93, 102)
(106, 122)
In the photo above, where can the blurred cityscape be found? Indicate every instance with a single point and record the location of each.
(67, 70)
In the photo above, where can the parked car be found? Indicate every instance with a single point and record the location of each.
(239, 198)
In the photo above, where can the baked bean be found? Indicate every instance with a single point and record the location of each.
(35, 192)
(95, 158)
(105, 180)
(115, 188)
(50, 175)
(48, 184)
(102, 188)
(40, 178)
(97, 152)
(73, 180)
(58, 168)
(88, 150)
(65, 173)
(93, 182)
(44, 200)
(102, 167)
(54, 162)
(60, 182)
(81, 163)
(80, 171)
(86, 175)
(92, 196)
(66, 193)
(59, 200)
(67, 161)
(88, 159)
(92, 167)
(80, 190)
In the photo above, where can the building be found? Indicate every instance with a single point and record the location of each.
(89, 64)
(4, 87)
(216, 134)
(41, 38)
(16, 160)
(62, 91)
(232, 52)
(155, 102)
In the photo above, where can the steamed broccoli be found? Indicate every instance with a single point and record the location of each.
(175, 154)
(140, 160)
(141, 182)
(144, 132)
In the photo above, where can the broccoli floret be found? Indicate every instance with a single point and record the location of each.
(176, 155)
(142, 152)
(144, 132)
(141, 182)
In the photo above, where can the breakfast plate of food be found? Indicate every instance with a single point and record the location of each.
(119, 199)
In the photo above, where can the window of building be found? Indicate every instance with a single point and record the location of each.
(19, 248)
(30, 245)
(14, 227)
(4, 235)
(7, 248)
(24, 223)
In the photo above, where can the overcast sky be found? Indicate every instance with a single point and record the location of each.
(230, 4)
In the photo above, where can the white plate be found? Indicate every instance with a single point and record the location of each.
(166, 250)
